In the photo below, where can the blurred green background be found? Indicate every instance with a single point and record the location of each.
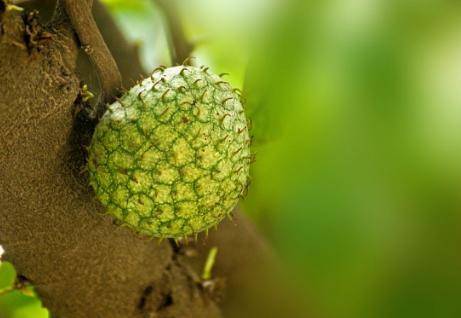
(356, 117)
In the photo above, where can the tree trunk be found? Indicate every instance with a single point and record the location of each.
(52, 228)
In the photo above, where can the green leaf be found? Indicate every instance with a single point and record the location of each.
(7, 276)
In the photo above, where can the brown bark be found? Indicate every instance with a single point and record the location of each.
(124, 53)
(51, 226)
(81, 263)
(91, 40)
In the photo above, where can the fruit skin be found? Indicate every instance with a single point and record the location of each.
(171, 157)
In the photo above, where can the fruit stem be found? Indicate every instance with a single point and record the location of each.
(209, 264)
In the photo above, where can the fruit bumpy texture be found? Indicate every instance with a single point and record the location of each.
(171, 157)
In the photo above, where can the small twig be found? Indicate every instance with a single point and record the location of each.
(180, 47)
(93, 44)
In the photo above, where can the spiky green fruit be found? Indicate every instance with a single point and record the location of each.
(171, 157)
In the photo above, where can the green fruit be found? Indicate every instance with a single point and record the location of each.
(171, 157)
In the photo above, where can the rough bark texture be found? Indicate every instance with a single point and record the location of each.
(91, 40)
(51, 226)
(81, 264)
(124, 53)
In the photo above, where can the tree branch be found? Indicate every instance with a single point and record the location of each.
(125, 54)
(82, 264)
(51, 226)
(180, 47)
(93, 44)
